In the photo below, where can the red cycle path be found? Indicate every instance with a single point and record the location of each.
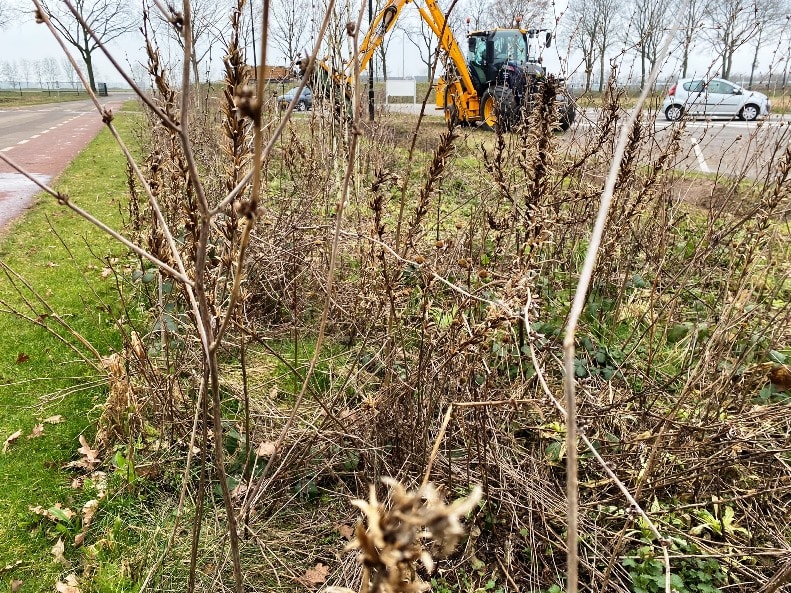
(45, 155)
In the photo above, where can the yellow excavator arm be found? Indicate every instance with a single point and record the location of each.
(460, 82)
(433, 16)
(503, 95)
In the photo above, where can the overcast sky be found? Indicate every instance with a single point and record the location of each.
(25, 39)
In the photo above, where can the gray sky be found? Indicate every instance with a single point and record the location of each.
(25, 39)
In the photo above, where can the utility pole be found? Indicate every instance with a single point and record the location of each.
(370, 65)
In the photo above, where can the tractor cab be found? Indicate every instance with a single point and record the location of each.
(495, 56)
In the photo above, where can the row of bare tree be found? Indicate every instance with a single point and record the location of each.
(596, 29)
(599, 29)
(42, 73)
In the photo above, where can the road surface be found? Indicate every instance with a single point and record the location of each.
(728, 147)
(43, 139)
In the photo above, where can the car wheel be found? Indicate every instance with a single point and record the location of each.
(674, 112)
(749, 112)
(302, 106)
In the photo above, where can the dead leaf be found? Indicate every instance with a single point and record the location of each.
(38, 430)
(54, 419)
(16, 586)
(99, 480)
(106, 272)
(9, 567)
(266, 449)
(90, 454)
(346, 531)
(57, 551)
(52, 264)
(70, 586)
(22, 358)
(88, 511)
(77, 482)
(10, 440)
(55, 513)
(316, 575)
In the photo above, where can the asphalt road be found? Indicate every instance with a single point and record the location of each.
(43, 140)
(724, 146)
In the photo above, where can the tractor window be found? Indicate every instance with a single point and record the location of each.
(510, 45)
(476, 50)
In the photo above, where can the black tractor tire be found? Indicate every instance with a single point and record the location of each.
(451, 110)
(568, 114)
(499, 110)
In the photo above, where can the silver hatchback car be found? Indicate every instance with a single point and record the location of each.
(713, 98)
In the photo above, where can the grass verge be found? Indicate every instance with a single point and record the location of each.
(60, 257)
(25, 98)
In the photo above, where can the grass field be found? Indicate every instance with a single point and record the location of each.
(49, 272)
(34, 97)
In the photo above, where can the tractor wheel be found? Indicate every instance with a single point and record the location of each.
(498, 109)
(451, 106)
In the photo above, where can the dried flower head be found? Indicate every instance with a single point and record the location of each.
(393, 539)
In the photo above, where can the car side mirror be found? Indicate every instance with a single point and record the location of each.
(737, 91)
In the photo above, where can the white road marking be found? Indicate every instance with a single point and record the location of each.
(36, 136)
(23, 141)
(6, 149)
(699, 153)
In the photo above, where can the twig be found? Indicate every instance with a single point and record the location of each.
(580, 296)
(437, 443)
(780, 578)
(65, 201)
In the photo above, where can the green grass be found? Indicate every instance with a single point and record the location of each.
(24, 98)
(39, 375)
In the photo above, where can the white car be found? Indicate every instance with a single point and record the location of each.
(713, 98)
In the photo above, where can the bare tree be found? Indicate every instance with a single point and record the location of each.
(106, 19)
(10, 72)
(38, 69)
(504, 13)
(692, 22)
(25, 71)
(50, 69)
(209, 24)
(69, 72)
(381, 51)
(591, 26)
(478, 13)
(772, 17)
(648, 20)
(423, 38)
(288, 30)
(609, 22)
(732, 23)
(5, 13)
